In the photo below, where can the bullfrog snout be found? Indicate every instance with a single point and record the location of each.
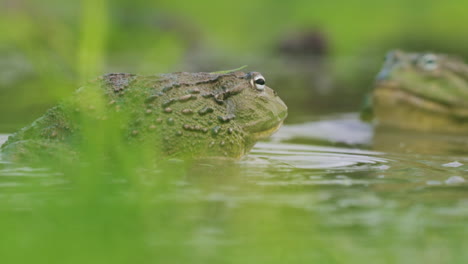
(282, 111)
(383, 75)
(392, 59)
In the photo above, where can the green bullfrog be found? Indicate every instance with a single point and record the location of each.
(421, 91)
(179, 114)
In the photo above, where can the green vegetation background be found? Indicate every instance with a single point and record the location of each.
(110, 212)
(48, 48)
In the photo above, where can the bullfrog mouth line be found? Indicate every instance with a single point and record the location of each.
(388, 84)
(394, 85)
(422, 101)
(266, 133)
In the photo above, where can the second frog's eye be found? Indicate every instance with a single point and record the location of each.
(259, 82)
(428, 62)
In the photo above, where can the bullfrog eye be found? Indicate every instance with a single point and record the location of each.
(429, 62)
(259, 82)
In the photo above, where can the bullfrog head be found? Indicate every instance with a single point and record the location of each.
(257, 107)
(180, 114)
(422, 91)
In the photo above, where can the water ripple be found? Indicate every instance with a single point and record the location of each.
(314, 157)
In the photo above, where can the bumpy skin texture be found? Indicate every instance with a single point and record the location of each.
(422, 91)
(180, 114)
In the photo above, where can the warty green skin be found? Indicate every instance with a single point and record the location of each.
(421, 91)
(188, 115)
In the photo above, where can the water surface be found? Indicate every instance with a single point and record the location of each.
(331, 190)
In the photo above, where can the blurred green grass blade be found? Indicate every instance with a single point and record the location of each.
(229, 71)
(94, 29)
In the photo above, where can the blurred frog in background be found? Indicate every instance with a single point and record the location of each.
(421, 92)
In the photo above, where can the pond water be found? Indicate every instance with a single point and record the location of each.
(331, 190)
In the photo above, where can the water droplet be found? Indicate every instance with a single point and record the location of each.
(170, 121)
(168, 110)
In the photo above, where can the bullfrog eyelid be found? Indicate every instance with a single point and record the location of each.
(258, 82)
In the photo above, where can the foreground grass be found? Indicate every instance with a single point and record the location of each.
(202, 213)
(126, 209)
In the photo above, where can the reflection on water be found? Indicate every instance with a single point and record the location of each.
(312, 157)
(419, 143)
(357, 190)
(338, 129)
(3, 138)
